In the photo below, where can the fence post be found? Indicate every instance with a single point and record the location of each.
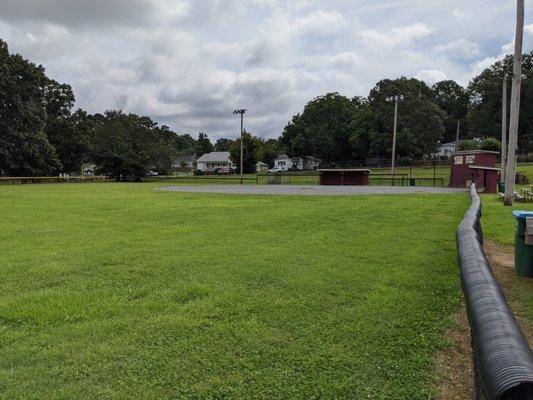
(434, 172)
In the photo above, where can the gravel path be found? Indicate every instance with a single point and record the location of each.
(313, 190)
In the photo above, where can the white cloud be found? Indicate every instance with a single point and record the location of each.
(431, 76)
(457, 13)
(481, 65)
(188, 63)
(320, 22)
(459, 49)
(396, 36)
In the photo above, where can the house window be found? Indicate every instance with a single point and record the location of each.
(470, 159)
(458, 160)
(281, 163)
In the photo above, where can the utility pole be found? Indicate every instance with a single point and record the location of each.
(396, 99)
(457, 135)
(241, 112)
(394, 137)
(504, 127)
(510, 172)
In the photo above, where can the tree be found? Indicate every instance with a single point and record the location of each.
(251, 148)
(186, 145)
(203, 145)
(24, 146)
(491, 144)
(420, 119)
(365, 138)
(72, 137)
(164, 150)
(129, 145)
(485, 90)
(223, 144)
(453, 99)
(469, 145)
(322, 130)
(268, 151)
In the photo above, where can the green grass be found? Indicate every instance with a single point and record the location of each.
(497, 220)
(118, 291)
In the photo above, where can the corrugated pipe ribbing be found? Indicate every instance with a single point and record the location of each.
(503, 361)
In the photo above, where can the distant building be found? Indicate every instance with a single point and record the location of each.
(298, 163)
(446, 149)
(184, 162)
(213, 161)
(261, 166)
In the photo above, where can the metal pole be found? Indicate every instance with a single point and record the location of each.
(504, 127)
(394, 136)
(515, 106)
(457, 135)
(434, 171)
(242, 128)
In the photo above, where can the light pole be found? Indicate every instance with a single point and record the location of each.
(397, 98)
(241, 112)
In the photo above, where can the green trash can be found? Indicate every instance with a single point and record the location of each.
(523, 252)
(501, 186)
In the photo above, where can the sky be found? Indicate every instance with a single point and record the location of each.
(188, 63)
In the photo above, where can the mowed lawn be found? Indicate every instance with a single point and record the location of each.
(122, 292)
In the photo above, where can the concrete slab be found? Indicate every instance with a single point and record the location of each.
(308, 190)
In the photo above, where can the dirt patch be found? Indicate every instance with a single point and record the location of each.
(454, 363)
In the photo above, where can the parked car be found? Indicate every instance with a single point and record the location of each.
(275, 170)
(152, 173)
(222, 171)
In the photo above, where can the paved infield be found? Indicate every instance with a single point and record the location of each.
(313, 190)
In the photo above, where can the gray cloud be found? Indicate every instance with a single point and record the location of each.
(189, 63)
(76, 14)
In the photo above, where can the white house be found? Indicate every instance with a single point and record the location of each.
(283, 161)
(310, 163)
(261, 166)
(446, 149)
(210, 162)
(184, 162)
(299, 163)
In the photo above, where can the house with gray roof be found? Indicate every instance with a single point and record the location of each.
(213, 161)
(184, 162)
(298, 163)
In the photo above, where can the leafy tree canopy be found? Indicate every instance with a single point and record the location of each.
(251, 148)
(130, 145)
(453, 99)
(203, 145)
(24, 146)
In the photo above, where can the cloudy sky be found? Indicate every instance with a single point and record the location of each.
(188, 63)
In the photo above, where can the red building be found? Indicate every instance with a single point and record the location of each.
(342, 177)
(478, 166)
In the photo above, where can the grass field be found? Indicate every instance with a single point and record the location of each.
(118, 291)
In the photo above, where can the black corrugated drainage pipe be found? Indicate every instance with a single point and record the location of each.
(503, 361)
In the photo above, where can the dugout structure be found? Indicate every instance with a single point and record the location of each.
(474, 166)
(345, 177)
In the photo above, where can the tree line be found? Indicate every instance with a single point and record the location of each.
(41, 133)
(336, 128)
